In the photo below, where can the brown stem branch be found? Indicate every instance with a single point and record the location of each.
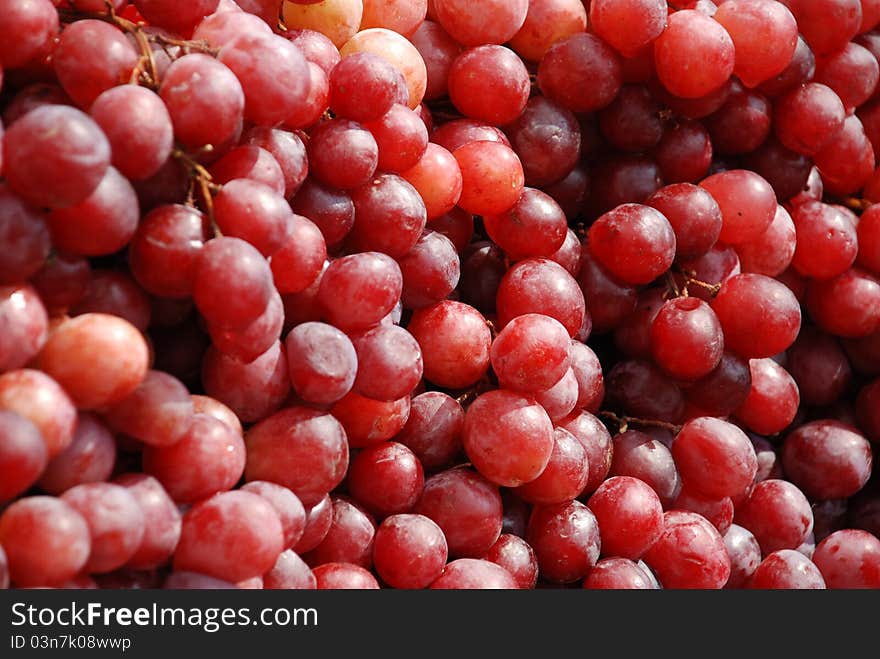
(623, 421)
(201, 181)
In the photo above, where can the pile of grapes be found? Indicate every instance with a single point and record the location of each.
(439, 294)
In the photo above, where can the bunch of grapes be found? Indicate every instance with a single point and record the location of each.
(439, 294)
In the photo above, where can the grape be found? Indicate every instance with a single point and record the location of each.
(89, 458)
(744, 553)
(846, 164)
(289, 573)
(788, 570)
(565, 539)
(531, 353)
(630, 516)
(534, 226)
(389, 216)
(473, 573)
(492, 177)
(437, 177)
(438, 50)
(23, 454)
(772, 252)
(349, 538)
(389, 363)
(168, 15)
(433, 429)
(249, 162)
(642, 390)
(337, 20)
(827, 459)
(644, 20)
(331, 210)
(28, 27)
(764, 34)
(364, 86)
(635, 243)
(690, 553)
(343, 576)
(396, 49)
(358, 290)
(217, 448)
(694, 55)
(773, 324)
(233, 535)
(38, 398)
(387, 479)
(725, 388)
(138, 148)
(742, 124)
(322, 362)
(596, 440)
(632, 122)
(800, 69)
(115, 520)
(587, 371)
(851, 72)
(747, 204)
(459, 132)
(686, 338)
(162, 520)
(401, 137)
(398, 15)
(46, 541)
(367, 421)
(309, 110)
(845, 305)
(684, 152)
(819, 366)
(773, 399)
(718, 512)
(205, 100)
(455, 343)
(33, 153)
(102, 223)
(777, 513)
(91, 57)
(516, 556)
(515, 423)
(221, 27)
(488, 83)
(808, 118)
(342, 140)
(622, 179)
(99, 359)
(484, 22)
(409, 551)
(467, 508)
(431, 270)
(616, 574)
(827, 26)
(848, 559)
(710, 441)
(639, 456)
(303, 449)
(23, 326)
(581, 72)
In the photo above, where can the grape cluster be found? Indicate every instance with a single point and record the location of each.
(439, 294)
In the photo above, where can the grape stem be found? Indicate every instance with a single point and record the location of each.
(690, 279)
(623, 422)
(854, 203)
(201, 181)
(145, 72)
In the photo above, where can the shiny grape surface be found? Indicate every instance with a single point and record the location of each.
(439, 294)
